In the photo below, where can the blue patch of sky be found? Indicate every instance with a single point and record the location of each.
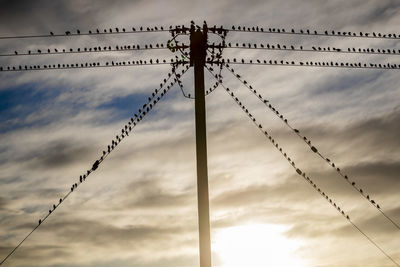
(348, 82)
(18, 103)
(124, 107)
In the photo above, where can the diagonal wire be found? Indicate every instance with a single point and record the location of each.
(308, 143)
(301, 173)
(180, 84)
(135, 120)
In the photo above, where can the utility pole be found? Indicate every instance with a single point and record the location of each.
(198, 51)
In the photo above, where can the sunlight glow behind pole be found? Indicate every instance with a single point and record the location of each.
(256, 245)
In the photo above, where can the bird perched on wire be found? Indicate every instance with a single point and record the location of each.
(95, 165)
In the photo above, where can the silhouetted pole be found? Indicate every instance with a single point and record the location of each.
(198, 51)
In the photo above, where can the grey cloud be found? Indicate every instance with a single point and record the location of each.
(16, 14)
(257, 194)
(39, 253)
(381, 177)
(98, 236)
(61, 153)
(149, 194)
(3, 203)
(385, 11)
(98, 233)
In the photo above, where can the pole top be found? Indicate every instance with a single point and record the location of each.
(198, 44)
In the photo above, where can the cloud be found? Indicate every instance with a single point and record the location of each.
(140, 207)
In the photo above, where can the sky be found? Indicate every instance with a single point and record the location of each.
(140, 207)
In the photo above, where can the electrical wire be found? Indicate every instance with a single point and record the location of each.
(315, 49)
(152, 101)
(313, 148)
(308, 32)
(90, 65)
(315, 64)
(95, 49)
(300, 172)
(97, 32)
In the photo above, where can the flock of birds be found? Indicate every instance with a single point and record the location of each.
(331, 64)
(179, 30)
(314, 48)
(292, 163)
(279, 148)
(152, 100)
(298, 170)
(89, 49)
(177, 60)
(310, 32)
(171, 61)
(216, 58)
(229, 45)
(183, 29)
(307, 141)
(116, 30)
